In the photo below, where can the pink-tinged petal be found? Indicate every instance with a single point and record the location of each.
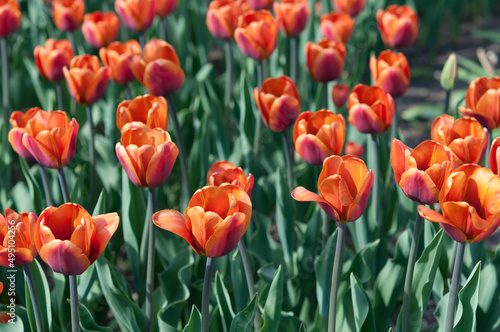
(163, 77)
(358, 206)
(64, 257)
(301, 194)
(419, 187)
(312, 149)
(42, 156)
(161, 164)
(16, 140)
(173, 221)
(226, 236)
(247, 46)
(106, 225)
(97, 86)
(493, 224)
(128, 165)
(398, 156)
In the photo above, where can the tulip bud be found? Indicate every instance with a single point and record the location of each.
(449, 74)
(223, 172)
(337, 26)
(149, 110)
(398, 26)
(370, 109)
(100, 29)
(222, 18)
(68, 14)
(256, 34)
(350, 7)
(340, 94)
(51, 58)
(116, 56)
(292, 16)
(16, 231)
(391, 72)
(10, 17)
(19, 121)
(482, 102)
(165, 7)
(137, 15)
(325, 60)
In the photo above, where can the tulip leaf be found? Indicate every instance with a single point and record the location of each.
(176, 279)
(361, 305)
(488, 313)
(274, 302)
(223, 302)
(285, 216)
(168, 318)
(238, 279)
(244, 320)
(363, 263)
(194, 324)
(37, 83)
(468, 301)
(422, 112)
(100, 206)
(87, 323)
(43, 292)
(61, 309)
(34, 188)
(21, 322)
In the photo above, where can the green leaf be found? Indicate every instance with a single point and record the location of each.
(468, 301)
(363, 264)
(100, 206)
(488, 313)
(21, 322)
(34, 189)
(35, 80)
(285, 216)
(422, 112)
(274, 302)
(194, 324)
(223, 302)
(43, 292)
(449, 73)
(239, 280)
(244, 320)
(176, 279)
(491, 35)
(87, 323)
(204, 72)
(362, 308)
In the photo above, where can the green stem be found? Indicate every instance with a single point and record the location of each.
(249, 277)
(46, 188)
(64, 184)
(229, 78)
(128, 91)
(162, 27)
(205, 299)
(34, 298)
(288, 158)
(71, 39)
(394, 125)
(376, 181)
(75, 315)
(293, 59)
(488, 148)
(455, 281)
(258, 124)
(337, 264)
(446, 101)
(325, 95)
(60, 103)
(151, 261)
(5, 87)
(142, 40)
(91, 151)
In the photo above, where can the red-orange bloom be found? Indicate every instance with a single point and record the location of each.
(482, 102)
(223, 172)
(147, 155)
(116, 56)
(292, 16)
(278, 102)
(165, 7)
(390, 71)
(86, 79)
(465, 137)
(159, 70)
(51, 138)
(421, 172)
(344, 185)
(370, 109)
(137, 15)
(337, 26)
(68, 14)
(19, 121)
(355, 149)
(259, 4)
(470, 204)
(214, 221)
(325, 60)
(340, 94)
(318, 135)
(398, 25)
(100, 29)
(351, 7)
(51, 58)
(10, 17)
(16, 234)
(68, 239)
(495, 156)
(222, 18)
(256, 34)
(149, 110)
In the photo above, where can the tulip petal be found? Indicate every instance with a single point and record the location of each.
(173, 221)
(419, 187)
(64, 257)
(226, 235)
(105, 227)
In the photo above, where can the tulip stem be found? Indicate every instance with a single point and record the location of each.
(151, 261)
(376, 181)
(455, 281)
(142, 40)
(258, 124)
(60, 104)
(128, 91)
(5, 87)
(64, 184)
(249, 277)
(394, 125)
(446, 101)
(229, 78)
(71, 38)
(293, 59)
(75, 315)
(162, 27)
(91, 151)
(488, 148)
(34, 298)
(46, 188)
(409, 274)
(288, 158)
(205, 299)
(325, 95)
(337, 263)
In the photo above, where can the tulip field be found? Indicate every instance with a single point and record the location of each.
(249, 165)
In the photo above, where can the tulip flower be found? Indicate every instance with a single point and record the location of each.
(390, 71)
(465, 137)
(259, 4)
(354, 149)
(149, 110)
(325, 60)
(256, 34)
(482, 102)
(10, 17)
(292, 16)
(19, 121)
(495, 156)
(223, 172)
(340, 94)
(16, 233)
(100, 29)
(68, 14)
(214, 221)
(69, 239)
(370, 109)
(137, 15)
(337, 26)
(222, 18)
(116, 56)
(398, 25)
(165, 7)
(51, 58)
(318, 135)
(350, 7)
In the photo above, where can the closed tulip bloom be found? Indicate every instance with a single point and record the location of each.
(325, 60)
(344, 185)
(469, 204)
(137, 15)
(16, 234)
(318, 135)
(19, 121)
(337, 26)
(482, 102)
(278, 102)
(350, 7)
(51, 58)
(398, 25)
(354, 149)
(292, 16)
(223, 172)
(86, 79)
(390, 71)
(465, 137)
(340, 94)
(256, 34)
(147, 155)
(10, 17)
(149, 110)
(165, 7)
(495, 156)
(222, 18)
(214, 221)
(370, 109)
(68, 14)
(259, 4)
(69, 239)
(116, 56)
(100, 29)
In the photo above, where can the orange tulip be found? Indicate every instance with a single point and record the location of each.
(51, 58)
(214, 221)
(100, 29)
(340, 94)
(398, 25)
(325, 60)
(344, 185)
(278, 102)
(354, 149)
(51, 138)
(390, 71)
(116, 56)
(68, 239)
(86, 79)
(464, 137)
(147, 155)
(165, 7)
(495, 156)
(292, 16)
(469, 204)
(19, 121)
(137, 15)
(68, 14)
(223, 172)
(222, 18)
(318, 135)
(16, 233)
(370, 109)
(350, 7)
(159, 69)
(337, 26)
(420, 172)
(149, 110)
(256, 34)
(10, 17)
(259, 4)
(482, 102)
